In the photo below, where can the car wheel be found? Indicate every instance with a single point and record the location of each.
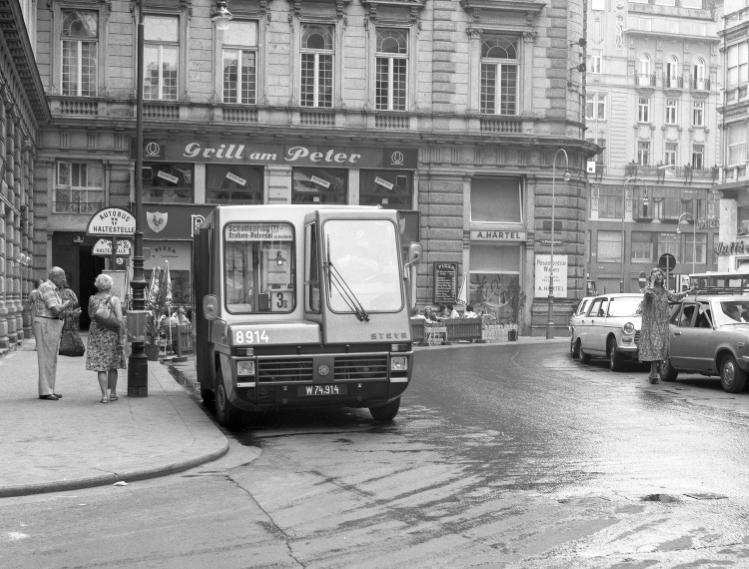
(575, 349)
(227, 414)
(386, 412)
(666, 371)
(207, 395)
(732, 378)
(616, 358)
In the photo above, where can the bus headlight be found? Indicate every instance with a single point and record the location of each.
(398, 363)
(628, 328)
(246, 367)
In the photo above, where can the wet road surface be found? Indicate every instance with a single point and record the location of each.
(501, 456)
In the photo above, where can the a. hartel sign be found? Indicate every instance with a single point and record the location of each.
(292, 154)
(484, 235)
(112, 222)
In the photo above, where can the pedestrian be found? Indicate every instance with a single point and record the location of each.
(31, 302)
(654, 338)
(48, 309)
(67, 294)
(105, 353)
(469, 313)
(429, 314)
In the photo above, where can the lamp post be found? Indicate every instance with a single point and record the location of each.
(694, 236)
(624, 212)
(550, 321)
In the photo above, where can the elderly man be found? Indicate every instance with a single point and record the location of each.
(48, 313)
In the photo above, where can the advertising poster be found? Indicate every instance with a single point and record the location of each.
(543, 272)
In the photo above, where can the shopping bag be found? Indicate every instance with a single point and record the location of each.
(105, 316)
(71, 344)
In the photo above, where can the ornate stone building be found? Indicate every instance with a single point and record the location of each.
(23, 109)
(448, 111)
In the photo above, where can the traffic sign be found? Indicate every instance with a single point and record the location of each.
(112, 222)
(643, 280)
(667, 262)
(103, 248)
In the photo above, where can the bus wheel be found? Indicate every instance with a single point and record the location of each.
(226, 413)
(386, 412)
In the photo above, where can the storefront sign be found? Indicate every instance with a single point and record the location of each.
(103, 248)
(168, 177)
(483, 235)
(384, 183)
(543, 273)
(445, 282)
(173, 221)
(156, 253)
(319, 181)
(259, 232)
(708, 223)
(112, 222)
(183, 150)
(548, 242)
(236, 179)
(732, 248)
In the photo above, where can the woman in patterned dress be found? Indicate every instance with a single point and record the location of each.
(105, 354)
(654, 339)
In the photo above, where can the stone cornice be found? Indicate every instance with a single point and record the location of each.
(504, 5)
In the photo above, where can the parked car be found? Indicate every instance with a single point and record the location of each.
(575, 319)
(609, 327)
(710, 336)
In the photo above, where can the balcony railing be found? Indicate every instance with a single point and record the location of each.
(65, 206)
(503, 125)
(700, 84)
(645, 80)
(672, 82)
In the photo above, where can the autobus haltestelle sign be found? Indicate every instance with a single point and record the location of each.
(112, 222)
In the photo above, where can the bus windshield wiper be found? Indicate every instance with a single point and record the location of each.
(337, 282)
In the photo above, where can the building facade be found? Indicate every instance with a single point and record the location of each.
(451, 112)
(23, 109)
(654, 82)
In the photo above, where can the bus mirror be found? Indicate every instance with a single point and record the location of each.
(415, 251)
(210, 307)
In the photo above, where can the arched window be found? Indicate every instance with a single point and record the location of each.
(499, 74)
(644, 78)
(80, 43)
(317, 66)
(391, 69)
(672, 72)
(698, 75)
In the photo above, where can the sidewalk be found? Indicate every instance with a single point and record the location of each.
(77, 442)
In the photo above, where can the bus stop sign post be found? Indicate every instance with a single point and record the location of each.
(643, 280)
(667, 263)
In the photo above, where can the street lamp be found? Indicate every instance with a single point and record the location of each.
(694, 235)
(221, 16)
(550, 321)
(624, 211)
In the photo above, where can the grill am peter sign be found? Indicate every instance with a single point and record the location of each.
(112, 222)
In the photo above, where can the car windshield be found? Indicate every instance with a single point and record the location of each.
(625, 306)
(732, 312)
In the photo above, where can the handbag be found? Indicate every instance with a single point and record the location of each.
(105, 316)
(71, 344)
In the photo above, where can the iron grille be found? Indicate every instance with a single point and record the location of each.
(284, 369)
(361, 367)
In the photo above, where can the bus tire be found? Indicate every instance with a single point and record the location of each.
(227, 414)
(386, 412)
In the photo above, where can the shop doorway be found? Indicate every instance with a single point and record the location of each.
(90, 267)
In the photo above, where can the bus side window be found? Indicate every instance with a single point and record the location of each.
(311, 270)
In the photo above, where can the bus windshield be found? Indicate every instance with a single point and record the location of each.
(259, 267)
(365, 255)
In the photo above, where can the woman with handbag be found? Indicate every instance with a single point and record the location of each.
(105, 353)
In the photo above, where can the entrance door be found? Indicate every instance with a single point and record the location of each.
(90, 268)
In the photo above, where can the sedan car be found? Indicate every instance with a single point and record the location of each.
(575, 319)
(710, 336)
(609, 327)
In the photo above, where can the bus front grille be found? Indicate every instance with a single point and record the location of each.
(361, 367)
(284, 369)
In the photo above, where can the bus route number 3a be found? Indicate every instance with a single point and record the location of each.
(251, 337)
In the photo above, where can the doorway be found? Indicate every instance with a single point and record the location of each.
(90, 267)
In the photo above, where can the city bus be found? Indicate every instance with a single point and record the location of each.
(302, 306)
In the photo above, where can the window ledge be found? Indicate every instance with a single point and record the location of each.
(530, 8)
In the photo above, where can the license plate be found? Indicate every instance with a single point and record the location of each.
(312, 390)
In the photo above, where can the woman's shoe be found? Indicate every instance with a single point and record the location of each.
(104, 399)
(113, 397)
(653, 380)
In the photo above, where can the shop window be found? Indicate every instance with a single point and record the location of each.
(386, 188)
(79, 187)
(499, 74)
(80, 48)
(497, 200)
(642, 247)
(161, 57)
(317, 66)
(699, 250)
(240, 63)
(181, 287)
(168, 183)
(391, 69)
(609, 249)
(319, 185)
(494, 279)
(233, 184)
(669, 243)
(698, 113)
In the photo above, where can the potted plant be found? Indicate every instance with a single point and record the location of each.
(516, 301)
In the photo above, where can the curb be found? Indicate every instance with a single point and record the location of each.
(108, 479)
